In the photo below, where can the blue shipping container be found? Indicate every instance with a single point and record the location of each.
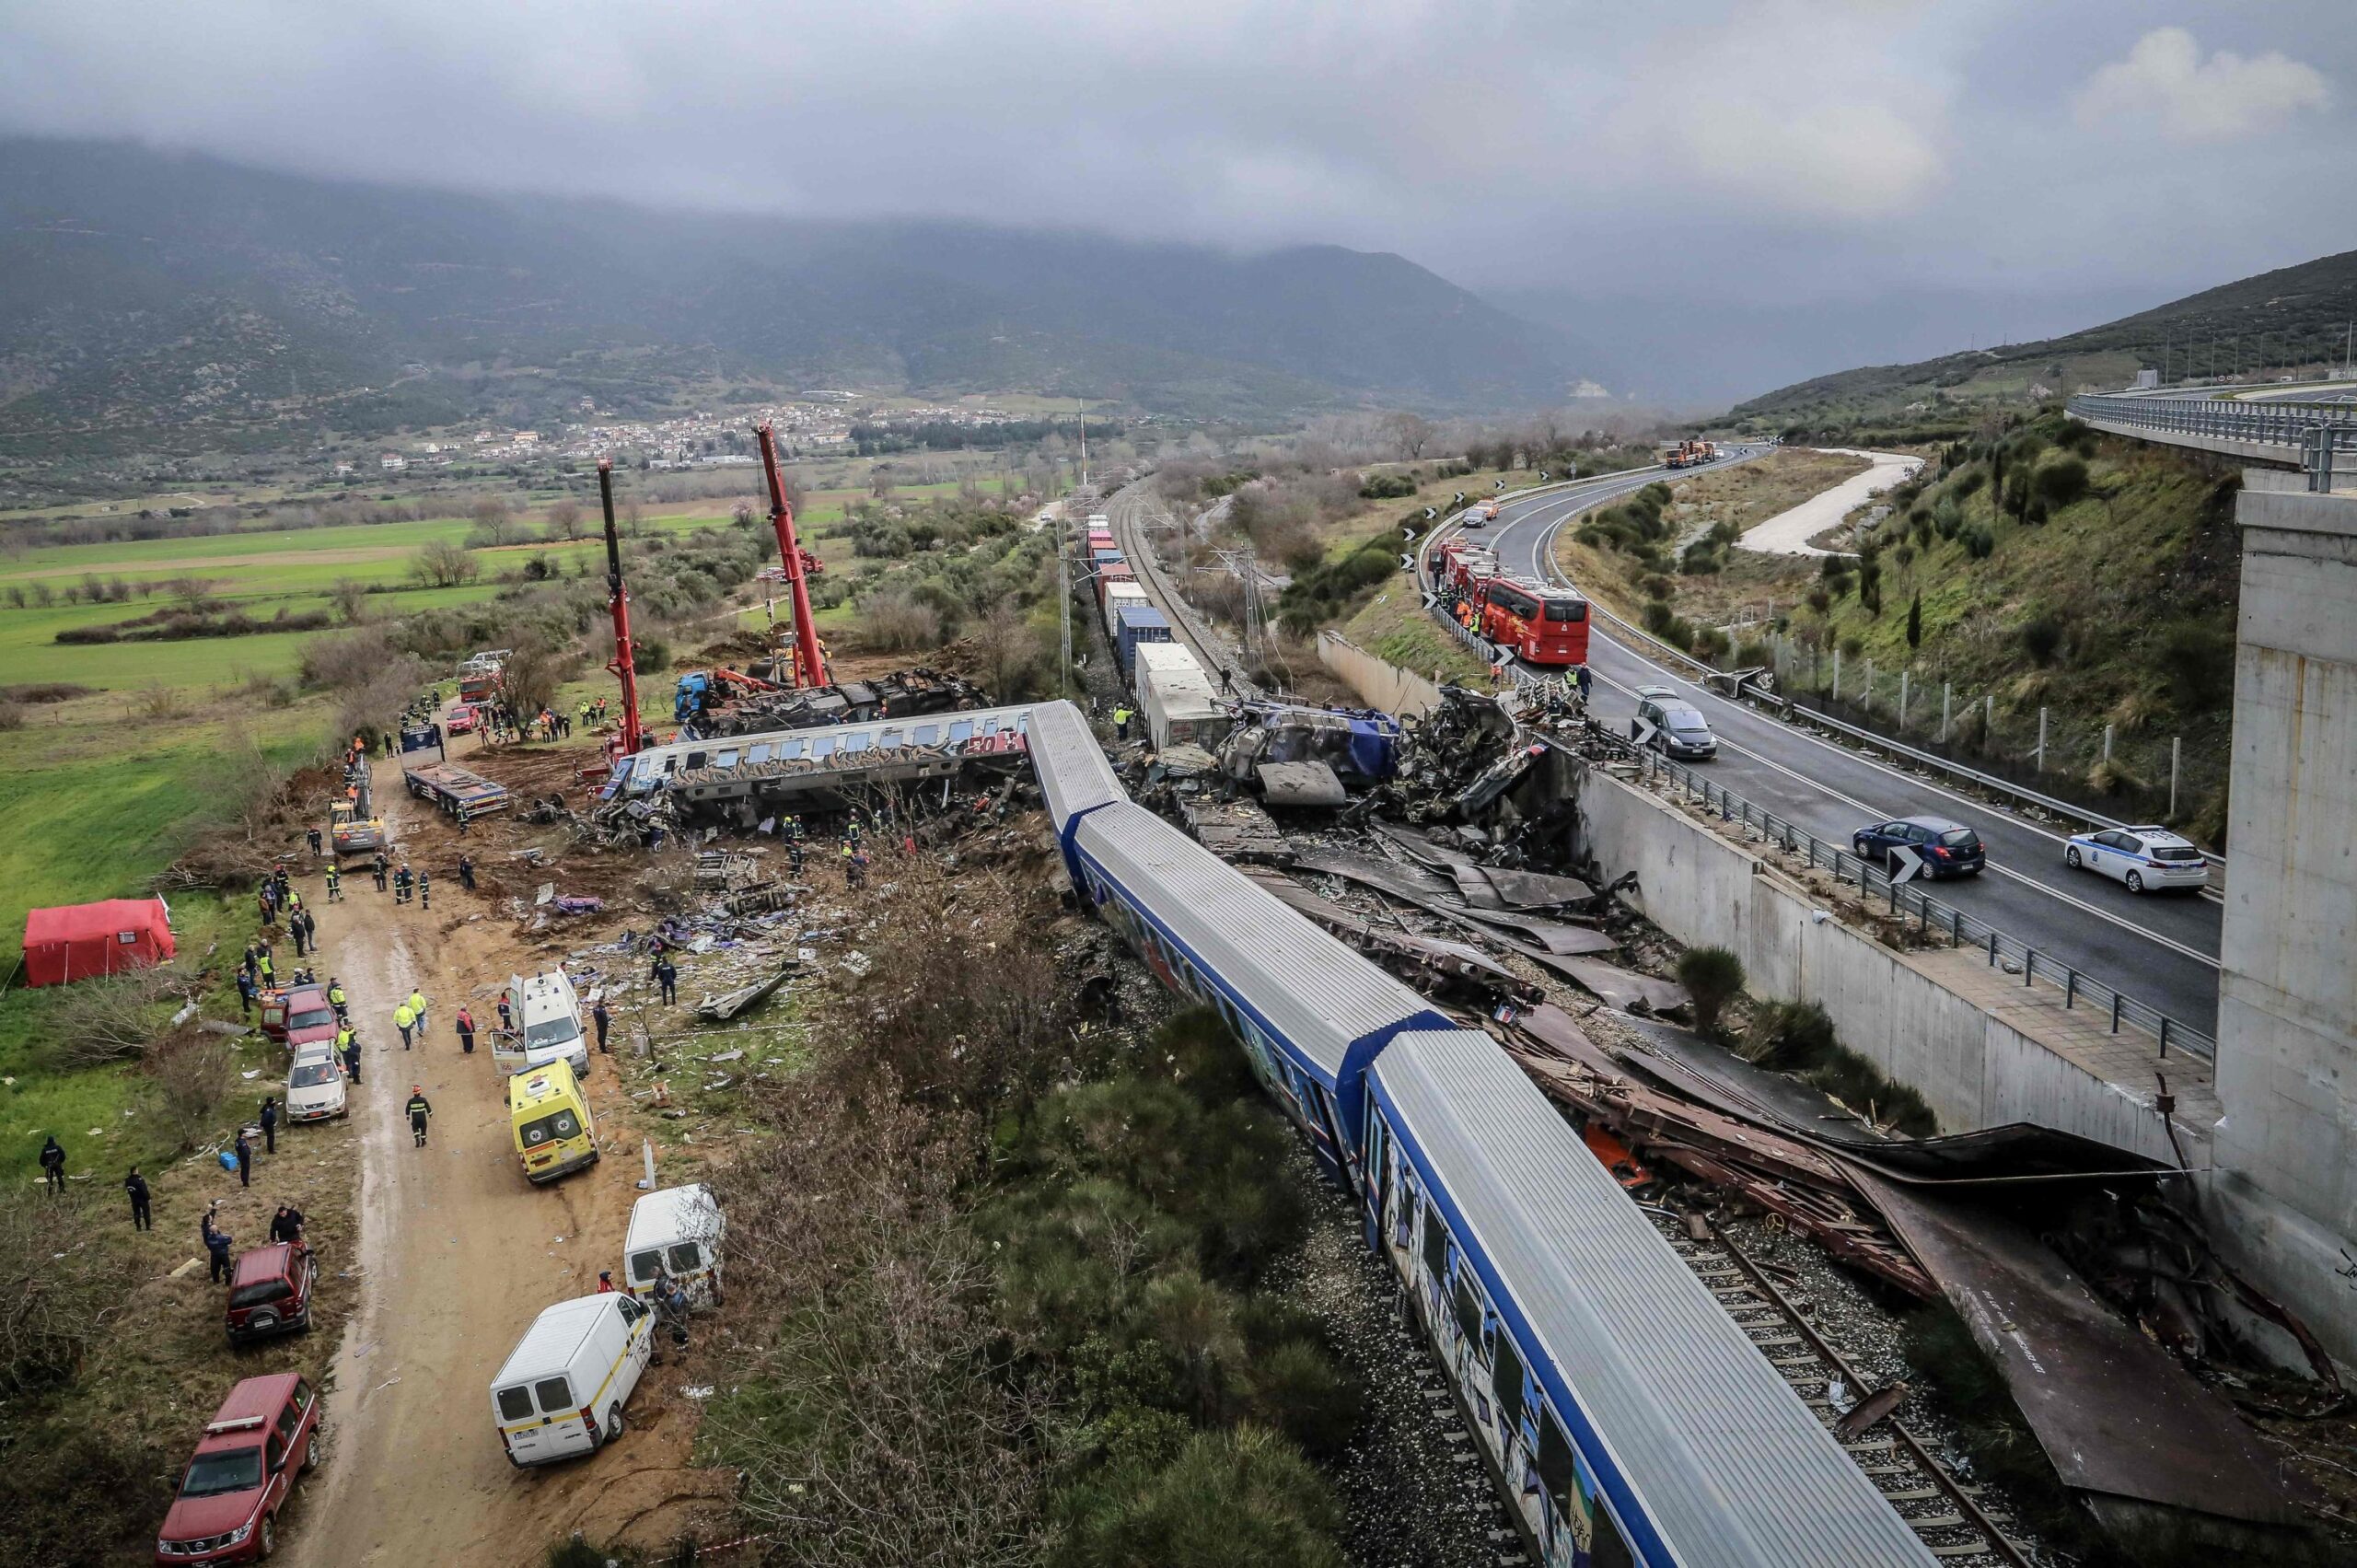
(1105, 557)
(1139, 624)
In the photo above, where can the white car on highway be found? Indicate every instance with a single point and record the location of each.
(2147, 859)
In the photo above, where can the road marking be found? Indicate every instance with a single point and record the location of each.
(2080, 904)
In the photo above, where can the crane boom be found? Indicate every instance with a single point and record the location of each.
(624, 664)
(810, 664)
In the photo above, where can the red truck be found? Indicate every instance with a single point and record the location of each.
(264, 1434)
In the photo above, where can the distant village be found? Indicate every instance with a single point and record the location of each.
(819, 425)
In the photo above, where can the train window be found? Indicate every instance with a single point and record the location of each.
(759, 754)
(789, 751)
(725, 760)
(1506, 1381)
(1610, 1551)
(929, 735)
(1469, 1305)
(821, 748)
(1560, 1473)
(1436, 1243)
(961, 731)
(695, 761)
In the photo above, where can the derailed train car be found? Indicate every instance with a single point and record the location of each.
(1625, 1418)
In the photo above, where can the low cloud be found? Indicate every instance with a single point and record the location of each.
(2164, 81)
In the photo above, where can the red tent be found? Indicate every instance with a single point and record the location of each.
(80, 940)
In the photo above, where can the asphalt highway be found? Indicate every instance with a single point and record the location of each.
(2160, 948)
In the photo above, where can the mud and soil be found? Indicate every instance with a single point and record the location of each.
(460, 1253)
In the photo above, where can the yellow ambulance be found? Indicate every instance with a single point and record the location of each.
(554, 1133)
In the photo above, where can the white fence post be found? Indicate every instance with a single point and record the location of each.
(2041, 740)
(1947, 689)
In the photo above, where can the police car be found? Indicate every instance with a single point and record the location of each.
(2147, 859)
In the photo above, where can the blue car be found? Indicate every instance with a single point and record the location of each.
(1948, 849)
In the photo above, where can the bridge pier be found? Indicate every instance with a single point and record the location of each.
(2285, 1193)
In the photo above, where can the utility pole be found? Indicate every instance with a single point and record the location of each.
(1246, 564)
(1083, 416)
(1063, 588)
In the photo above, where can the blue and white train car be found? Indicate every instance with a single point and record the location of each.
(1311, 1013)
(1621, 1410)
(1074, 777)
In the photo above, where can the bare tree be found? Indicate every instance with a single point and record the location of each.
(564, 519)
(58, 1289)
(351, 600)
(109, 1017)
(193, 1076)
(1411, 433)
(491, 522)
(442, 564)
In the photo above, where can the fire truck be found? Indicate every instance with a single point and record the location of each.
(1538, 625)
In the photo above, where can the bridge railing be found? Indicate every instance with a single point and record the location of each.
(1934, 920)
(2321, 436)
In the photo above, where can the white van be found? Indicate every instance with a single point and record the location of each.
(548, 1025)
(564, 1385)
(675, 1233)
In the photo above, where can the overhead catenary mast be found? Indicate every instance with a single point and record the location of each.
(809, 663)
(625, 663)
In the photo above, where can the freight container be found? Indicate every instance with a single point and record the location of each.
(1107, 576)
(1180, 698)
(1100, 538)
(1137, 623)
(1103, 558)
(1116, 597)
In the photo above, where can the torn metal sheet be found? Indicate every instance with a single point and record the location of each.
(1300, 783)
(1399, 881)
(1236, 830)
(1422, 953)
(2114, 1413)
(1501, 888)
(1617, 987)
(728, 1005)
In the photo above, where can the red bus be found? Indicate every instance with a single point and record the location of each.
(1539, 625)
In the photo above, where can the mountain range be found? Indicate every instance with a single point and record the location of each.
(2295, 321)
(160, 302)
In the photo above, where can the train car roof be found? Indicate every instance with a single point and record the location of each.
(1073, 775)
(1711, 1444)
(1308, 987)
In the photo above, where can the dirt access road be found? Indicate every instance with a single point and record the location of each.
(460, 1253)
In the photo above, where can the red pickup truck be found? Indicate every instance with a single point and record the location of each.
(242, 1474)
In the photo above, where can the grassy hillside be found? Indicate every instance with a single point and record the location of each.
(2048, 567)
(2291, 321)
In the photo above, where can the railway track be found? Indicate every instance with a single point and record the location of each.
(1126, 507)
(1954, 1522)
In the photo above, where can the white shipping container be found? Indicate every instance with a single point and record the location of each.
(1178, 697)
(1117, 595)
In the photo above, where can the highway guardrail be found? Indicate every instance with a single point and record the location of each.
(2320, 436)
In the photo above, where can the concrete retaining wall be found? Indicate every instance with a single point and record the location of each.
(1892, 1008)
(1378, 682)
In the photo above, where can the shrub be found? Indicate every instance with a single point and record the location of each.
(1239, 1499)
(2059, 483)
(2199, 659)
(2041, 638)
(1712, 977)
(897, 621)
(12, 715)
(1387, 487)
(1978, 542)
(1657, 615)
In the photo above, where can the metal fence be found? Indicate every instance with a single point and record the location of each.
(1932, 918)
(2320, 435)
(2149, 770)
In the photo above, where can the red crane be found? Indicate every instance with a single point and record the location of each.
(618, 602)
(810, 664)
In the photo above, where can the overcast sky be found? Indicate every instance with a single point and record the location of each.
(1999, 158)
